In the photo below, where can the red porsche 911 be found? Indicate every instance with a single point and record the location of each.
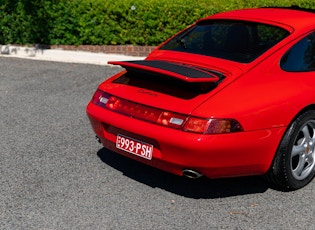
(231, 95)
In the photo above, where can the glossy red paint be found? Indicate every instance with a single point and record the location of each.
(259, 95)
(221, 155)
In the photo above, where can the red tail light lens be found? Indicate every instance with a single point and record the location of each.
(136, 110)
(170, 119)
(100, 98)
(212, 126)
(165, 118)
(224, 126)
(196, 125)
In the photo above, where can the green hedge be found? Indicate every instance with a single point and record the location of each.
(110, 22)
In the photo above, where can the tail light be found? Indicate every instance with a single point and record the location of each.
(165, 118)
(212, 126)
(138, 111)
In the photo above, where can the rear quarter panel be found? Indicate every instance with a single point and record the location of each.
(265, 97)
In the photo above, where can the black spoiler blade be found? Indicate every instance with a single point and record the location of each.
(183, 72)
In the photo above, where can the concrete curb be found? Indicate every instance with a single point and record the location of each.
(59, 55)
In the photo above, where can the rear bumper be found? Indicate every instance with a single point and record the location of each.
(221, 155)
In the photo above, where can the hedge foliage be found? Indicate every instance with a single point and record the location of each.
(110, 22)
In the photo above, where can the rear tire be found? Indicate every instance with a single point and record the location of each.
(294, 164)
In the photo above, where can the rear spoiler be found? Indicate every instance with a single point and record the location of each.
(183, 72)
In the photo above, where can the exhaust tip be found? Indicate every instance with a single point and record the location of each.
(192, 174)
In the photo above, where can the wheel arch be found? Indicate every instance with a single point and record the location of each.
(305, 109)
(270, 174)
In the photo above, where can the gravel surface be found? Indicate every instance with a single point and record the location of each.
(54, 175)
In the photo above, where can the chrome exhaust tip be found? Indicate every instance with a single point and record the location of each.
(192, 174)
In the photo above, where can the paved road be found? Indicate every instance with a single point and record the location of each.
(54, 175)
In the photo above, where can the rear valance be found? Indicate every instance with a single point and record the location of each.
(183, 72)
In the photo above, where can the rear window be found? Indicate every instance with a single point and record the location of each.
(238, 41)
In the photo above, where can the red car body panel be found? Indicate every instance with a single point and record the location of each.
(215, 156)
(261, 96)
(289, 19)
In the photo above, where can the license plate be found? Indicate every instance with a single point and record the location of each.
(135, 147)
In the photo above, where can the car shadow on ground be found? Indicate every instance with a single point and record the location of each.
(199, 188)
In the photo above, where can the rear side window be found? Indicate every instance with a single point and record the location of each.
(301, 57)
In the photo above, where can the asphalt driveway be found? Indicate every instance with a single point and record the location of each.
(54, 175)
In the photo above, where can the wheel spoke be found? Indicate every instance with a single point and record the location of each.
(300, 167)
(306, 132)
(297, 150)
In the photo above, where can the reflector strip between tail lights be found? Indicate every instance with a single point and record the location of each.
(139, 111)
(165, 118)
